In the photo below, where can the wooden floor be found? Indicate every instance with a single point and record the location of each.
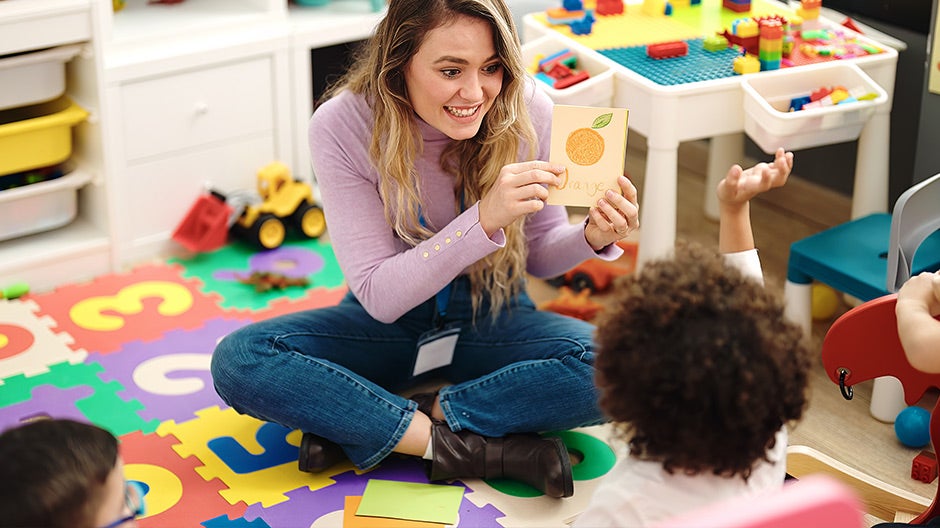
(841, 429)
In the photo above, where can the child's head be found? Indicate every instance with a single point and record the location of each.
(697, 365)
(59, 472)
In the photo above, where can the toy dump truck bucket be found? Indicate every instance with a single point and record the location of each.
(205, 226)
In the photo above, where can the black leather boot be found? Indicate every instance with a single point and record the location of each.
(542, 463)
(318, 453)
(425, 401)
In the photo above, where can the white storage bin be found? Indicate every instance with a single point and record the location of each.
(767, 97)
(598, 90)
(40, 206)
(35, 77)
(39, 24)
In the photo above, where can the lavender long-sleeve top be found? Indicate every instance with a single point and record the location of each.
(390, 277)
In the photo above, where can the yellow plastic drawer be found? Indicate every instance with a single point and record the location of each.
(38, 136)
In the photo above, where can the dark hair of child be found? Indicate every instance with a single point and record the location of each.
(697, 366)
(53, 473)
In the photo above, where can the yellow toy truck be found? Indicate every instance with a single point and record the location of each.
(261, 219)
(284, 201)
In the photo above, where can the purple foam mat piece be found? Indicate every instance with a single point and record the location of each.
(170, 377)
(46, 400)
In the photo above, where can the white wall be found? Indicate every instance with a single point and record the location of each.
(522, 7)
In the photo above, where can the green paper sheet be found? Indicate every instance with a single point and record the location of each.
(410, 500)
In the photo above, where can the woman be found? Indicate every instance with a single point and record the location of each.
(428, 161)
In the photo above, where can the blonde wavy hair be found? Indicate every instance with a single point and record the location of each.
(378, 74)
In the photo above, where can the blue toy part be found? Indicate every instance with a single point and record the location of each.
(572, 5)
(541, 76)
(583, 27)
(912, 427)
(797, 103)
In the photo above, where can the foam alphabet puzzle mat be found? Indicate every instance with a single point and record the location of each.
(131, 351)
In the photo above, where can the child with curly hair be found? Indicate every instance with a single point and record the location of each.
(699, 372)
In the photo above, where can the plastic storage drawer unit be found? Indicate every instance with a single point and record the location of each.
(34, 77)
(37, 136)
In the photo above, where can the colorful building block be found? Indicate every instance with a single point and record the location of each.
(745, 27)
(609, 7)
(665, 50)
(739, 6)
(746, 64)
(654, 7)
(924, 467)
(797, 103)
(715, 43)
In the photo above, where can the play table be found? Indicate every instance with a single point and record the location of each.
(699, 96)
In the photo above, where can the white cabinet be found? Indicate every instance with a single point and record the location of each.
(197, 95)
(180, 96)
(35, 24)
(82, 248)
(198, 107)
(211, 123)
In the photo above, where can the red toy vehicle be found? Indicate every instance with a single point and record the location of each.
(597, 275)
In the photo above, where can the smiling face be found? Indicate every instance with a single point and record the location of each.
(455, 76)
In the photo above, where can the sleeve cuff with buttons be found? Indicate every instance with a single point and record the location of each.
(465, 230)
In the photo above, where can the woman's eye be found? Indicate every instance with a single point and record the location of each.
(493, 68)
(450, 72)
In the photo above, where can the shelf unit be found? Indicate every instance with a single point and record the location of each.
(182, 97)
(83, 247)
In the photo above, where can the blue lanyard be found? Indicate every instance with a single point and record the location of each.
(443, 298)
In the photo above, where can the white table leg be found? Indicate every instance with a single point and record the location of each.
(723, 152)
(872, 167)
(658, 204)
(887, 399)
(797, 308)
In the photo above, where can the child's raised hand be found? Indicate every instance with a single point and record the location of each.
(740, 185)
(924, 289)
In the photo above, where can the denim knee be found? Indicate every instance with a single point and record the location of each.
(232, 362)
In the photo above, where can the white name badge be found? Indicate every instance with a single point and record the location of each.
(436, 349)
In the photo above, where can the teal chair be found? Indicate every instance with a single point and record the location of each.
(867, 258)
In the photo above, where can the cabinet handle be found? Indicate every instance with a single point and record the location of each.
(202, 108)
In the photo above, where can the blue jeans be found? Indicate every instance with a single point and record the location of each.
(336, 371)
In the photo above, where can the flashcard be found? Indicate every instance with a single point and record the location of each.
(591, 143)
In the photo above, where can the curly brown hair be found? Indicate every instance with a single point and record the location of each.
(697, 366)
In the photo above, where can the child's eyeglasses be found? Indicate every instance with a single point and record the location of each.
(134, 502)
